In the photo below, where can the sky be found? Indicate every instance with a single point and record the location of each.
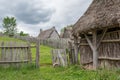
(33, 15)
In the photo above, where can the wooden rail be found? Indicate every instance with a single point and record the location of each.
(103, 41)
(103, 58)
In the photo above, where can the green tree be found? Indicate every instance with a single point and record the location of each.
(23, 34)
(9, 25)
(68, 26)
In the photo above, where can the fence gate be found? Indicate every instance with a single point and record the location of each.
(59, 57)
(14, 52)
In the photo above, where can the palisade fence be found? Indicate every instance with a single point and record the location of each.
(12, 53)
(26, 38)
(59, 57)
(61, 43)
(56, 43)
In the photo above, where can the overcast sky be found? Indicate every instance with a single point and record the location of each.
(32, 15)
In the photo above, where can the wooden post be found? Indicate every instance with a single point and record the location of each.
(93, 46)
(37, 53)
(2, 51)
(70, 53)
(76, 51)
(95, 52)
(29, 53)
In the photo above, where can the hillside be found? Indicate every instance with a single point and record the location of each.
(47, 72)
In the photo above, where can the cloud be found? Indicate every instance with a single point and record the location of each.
(67, 12)
(35, 14)
(26, 11)
(29, 14)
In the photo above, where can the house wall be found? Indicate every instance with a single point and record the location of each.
(109, 52)
(54, 35)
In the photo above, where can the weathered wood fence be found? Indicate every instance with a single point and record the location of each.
(26, 38)
(59, 57)
(17, 52)
(56, 43)
(13, 52)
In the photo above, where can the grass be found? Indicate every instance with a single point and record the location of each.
(5, 39)
(47, 72)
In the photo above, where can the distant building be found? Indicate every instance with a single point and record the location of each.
(49, 33)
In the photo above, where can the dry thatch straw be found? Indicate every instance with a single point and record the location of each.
(100, 14)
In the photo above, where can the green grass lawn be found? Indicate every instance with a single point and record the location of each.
(5, 39)
(47, 72)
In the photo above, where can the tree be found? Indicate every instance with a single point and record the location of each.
(9, 25)
(68, 26)
(23, 34)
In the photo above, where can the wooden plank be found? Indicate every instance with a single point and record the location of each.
(103, 41)
(103, 58)
(14, 46)
(29, 53)
(2, 51)
(110, 41)
(109, 58)
(17, 61)
(37, 53)
(11, 52)
(61, 58)
(65, 57)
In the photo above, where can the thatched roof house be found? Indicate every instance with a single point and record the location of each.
(99, 29)
(49, 33)
(67, 32)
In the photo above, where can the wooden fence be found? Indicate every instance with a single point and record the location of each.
(13, 52)
(17, 52)
(56, 43)
(26, 38)
(59, 57)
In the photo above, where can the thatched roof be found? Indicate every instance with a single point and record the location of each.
(67, 32)
(100, 14)
(47, 33)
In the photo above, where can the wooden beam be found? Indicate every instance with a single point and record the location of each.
(20, 61)
(93, 45)
(95, 52)
(103, 34)
(109, 58)
(103, 58)
(76, 51)
(110, 41)
(89, 42)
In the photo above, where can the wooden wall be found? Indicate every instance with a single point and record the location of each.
(109, 51)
